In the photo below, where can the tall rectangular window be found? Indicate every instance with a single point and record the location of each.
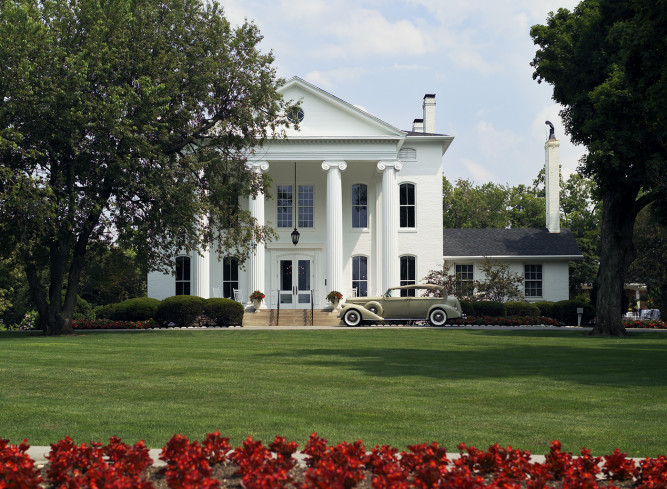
(230, 276)
(284, 206)
(408, 274)
(464, 280)
(360, 275)
(183, 275)
(306, 206)
(359, 206)
(407, 205)
(532, 280)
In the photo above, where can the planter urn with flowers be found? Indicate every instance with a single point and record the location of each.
(256, 298)
(334, 298)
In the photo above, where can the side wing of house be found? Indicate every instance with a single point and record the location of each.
(540, 257)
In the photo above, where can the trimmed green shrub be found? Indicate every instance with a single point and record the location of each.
(224, 312)
(83, 309)
(137, 309)
(104, 312)
(520, 308)
(550, 309)
(488, 308)
(467, 308)
(570, 312)
(180, 310)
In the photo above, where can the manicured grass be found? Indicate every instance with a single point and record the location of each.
(396, 387)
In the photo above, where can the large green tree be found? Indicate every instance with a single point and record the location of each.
(128, 121)
(607, 63)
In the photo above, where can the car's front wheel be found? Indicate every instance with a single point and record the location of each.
(352, 318)
(437, 317)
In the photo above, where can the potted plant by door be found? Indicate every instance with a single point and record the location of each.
(334, 297)
(257, 297)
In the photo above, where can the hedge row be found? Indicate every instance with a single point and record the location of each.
(178, 311)
(563, 311)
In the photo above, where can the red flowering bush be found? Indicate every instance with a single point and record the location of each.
(646, 324)
(652, 473)
(265, 468)
(336, 467)
(17, 469)
(388, 473)
(187, 465)
(115, 466)
(342, 466)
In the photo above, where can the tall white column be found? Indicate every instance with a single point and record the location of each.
(201, 280)
(334, 249)
(257, 259)
(390, 217)
(552, 184)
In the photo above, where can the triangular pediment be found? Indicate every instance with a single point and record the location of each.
(326, 116)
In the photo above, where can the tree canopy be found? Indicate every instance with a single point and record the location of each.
(129, 121)
(606, 61)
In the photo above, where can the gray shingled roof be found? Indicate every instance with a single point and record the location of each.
(509, 242)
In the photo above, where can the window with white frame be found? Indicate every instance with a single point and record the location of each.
(284, 206)
(183, 275)
(230, 276)
(359, 206)
(407, 205)
(408, 275)
(360, 275)
(532, 280)
(305, 209)
(465, 280)
(306, 201)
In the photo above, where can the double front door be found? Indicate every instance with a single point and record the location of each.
(295, 276)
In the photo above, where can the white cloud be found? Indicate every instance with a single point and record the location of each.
(478, 173)
(494, 144)
(329, 79)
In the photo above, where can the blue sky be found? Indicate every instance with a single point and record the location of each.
(384, 55)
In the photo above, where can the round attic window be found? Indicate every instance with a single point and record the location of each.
(295, 115)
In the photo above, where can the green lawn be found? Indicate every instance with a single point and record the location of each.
(394, 387)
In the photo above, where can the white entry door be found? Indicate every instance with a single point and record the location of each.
(295, 276)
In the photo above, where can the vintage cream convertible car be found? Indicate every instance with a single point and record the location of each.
(406, 303)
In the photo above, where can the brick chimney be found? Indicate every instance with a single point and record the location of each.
(418, 125)
(429, 113)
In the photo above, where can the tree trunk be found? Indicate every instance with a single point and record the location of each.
(616, 254)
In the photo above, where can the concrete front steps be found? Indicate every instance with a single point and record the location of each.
(291, 317)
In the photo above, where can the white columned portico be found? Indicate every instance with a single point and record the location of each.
(334, 248)
(389, 261)
(256, 207)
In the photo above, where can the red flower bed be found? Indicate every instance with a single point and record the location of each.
(646, 324)
(109, 324)
(192, 465)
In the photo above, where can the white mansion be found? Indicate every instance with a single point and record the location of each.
(366, 199)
